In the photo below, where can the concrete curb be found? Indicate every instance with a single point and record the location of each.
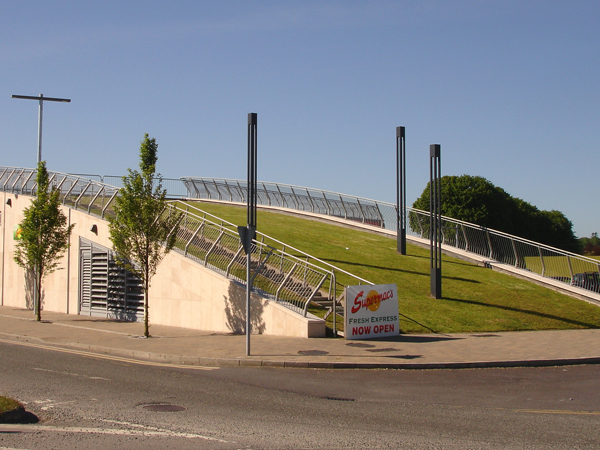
(241, 362)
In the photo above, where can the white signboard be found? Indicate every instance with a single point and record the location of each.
(371, 311)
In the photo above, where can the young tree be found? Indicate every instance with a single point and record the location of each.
(44, 234)
(144, 228)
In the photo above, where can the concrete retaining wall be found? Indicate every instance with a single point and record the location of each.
(183, 293)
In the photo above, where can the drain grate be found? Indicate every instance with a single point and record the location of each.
(164, 408)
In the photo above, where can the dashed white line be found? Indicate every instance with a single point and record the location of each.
(145, 431)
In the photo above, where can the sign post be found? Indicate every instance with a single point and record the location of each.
(247, 235)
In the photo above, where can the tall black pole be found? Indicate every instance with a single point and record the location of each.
(435, 219)
(401, 190)
(251, 227)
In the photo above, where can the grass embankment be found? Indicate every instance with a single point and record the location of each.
(8, 404)
(475, 299)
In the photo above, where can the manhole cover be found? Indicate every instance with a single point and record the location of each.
(360, 344)
(164, 408)
(313, 353)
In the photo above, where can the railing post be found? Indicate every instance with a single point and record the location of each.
(281, 195)
(2, 174)
(241, 192)
(217, 189)
(228, 190)
(228, 271)
(312, 205)
(267, 194)
(487, 234)
(81, 195)
(329, 209)
(93, 200)
(285, 279)
(344, 206)
(380, 216)
(8, 179)
(334, 300)
(296, 202)
(515, 252)
(570, 268)
(195, 188)
(542, 259)
(213, 246)
(208, 196)
(462, 227)
(12, 188)
(185, 249)
(108, 203)
(361, 210)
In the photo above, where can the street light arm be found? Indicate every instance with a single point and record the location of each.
(50, 99)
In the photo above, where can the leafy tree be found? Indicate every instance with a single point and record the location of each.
(44, 234)
(477, 200)
(591, 245)
(144, 228)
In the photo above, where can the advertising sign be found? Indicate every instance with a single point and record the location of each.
(371, 311)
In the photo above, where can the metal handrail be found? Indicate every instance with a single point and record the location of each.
(220, 247)
(263, 236)
(73, 189)
(544, 260)
(96, 198)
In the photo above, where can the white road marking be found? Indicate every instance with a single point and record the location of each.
(49, 404)
(71, 374)
(558, 411)
(108, 357)
(145, 431)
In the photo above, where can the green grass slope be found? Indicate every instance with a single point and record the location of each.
(475, 299)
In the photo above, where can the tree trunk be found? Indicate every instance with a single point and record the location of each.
(38, 293)
(146, 330)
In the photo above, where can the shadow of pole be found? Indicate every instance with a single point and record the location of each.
(235, 311)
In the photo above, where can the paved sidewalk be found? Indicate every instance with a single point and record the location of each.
(185, 346)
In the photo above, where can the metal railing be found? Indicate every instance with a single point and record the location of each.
(96, 198)
(174, 186)
(293, 280)
(530, 256)
(77, 192)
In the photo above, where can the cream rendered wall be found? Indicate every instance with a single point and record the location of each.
(183, 293)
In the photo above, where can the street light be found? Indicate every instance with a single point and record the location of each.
(41, 100)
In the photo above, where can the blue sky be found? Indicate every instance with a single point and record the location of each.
(508, 88)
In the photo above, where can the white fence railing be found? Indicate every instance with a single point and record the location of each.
(543, 260)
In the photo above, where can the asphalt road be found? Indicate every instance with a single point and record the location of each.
(88, 402)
